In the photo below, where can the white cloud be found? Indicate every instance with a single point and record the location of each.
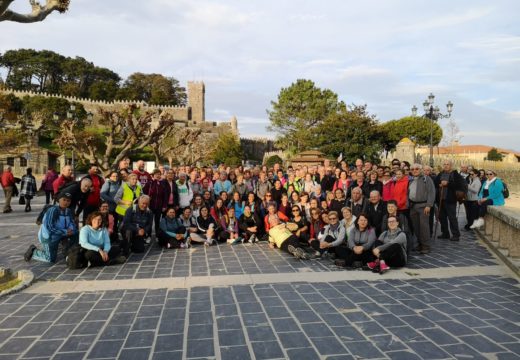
(485, 102)
(435, 21)
(362, 71)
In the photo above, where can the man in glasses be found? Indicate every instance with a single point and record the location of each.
(421, 196)
(450, 188)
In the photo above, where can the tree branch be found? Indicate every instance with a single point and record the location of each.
(38, 13)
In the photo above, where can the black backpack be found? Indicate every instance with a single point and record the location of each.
(39, 219)
(505, 192)
(76, 257)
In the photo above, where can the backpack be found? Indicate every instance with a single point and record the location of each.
(39, 218)
(505, 192)
(76, 257)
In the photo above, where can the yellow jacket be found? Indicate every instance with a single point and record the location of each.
(279, 234)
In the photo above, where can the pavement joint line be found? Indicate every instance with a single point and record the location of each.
(52, 287)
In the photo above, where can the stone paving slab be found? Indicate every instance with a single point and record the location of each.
(460, 317)
(18, 230)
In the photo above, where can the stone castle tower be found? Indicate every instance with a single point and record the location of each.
(196, 101)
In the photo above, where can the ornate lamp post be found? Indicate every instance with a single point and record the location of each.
(433, 113)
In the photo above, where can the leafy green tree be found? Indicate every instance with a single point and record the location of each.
(155, 89)
(494, 155)
(416, 128)
(299, 111)
(353, 132)
(228, 150)
(273, 160)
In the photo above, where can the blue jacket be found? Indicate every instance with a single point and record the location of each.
(496, 194)
(56, 222)
(94, 240)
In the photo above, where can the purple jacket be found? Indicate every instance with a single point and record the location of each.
(48, 180)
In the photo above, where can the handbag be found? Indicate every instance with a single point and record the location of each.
(21, 201)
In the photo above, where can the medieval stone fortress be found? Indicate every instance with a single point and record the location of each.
(193, 115)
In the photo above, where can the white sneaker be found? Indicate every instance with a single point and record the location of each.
(147, 241)
(477, 223)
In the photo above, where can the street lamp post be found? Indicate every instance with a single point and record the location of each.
(70, 116)
(433, 113)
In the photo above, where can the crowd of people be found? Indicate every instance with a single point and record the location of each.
(361, 216)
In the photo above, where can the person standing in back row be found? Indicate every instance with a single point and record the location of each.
(421, 196)
(448, 183)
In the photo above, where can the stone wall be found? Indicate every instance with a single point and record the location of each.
(255, 148)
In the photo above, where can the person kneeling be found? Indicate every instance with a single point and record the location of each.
(284, 239)
(57, 226)
(390, 248)
(172, 234)
(137, 226)
(95, 240)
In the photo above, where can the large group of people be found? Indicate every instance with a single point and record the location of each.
(361, 216)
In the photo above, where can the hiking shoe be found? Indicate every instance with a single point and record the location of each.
(252, 239)
(118, 260)
(292, 250)
(373, 264)
(147, 241)
(383, 268)
(29, 253)
(301, 254)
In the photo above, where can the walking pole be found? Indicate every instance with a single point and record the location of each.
(437, 214)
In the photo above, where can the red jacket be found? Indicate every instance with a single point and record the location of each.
(388, 190)
(94, 197)
(59, 182)
(281, 216)
(7, 179)
(401, 192)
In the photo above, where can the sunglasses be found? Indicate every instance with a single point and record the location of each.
(489, 174)
(332, 218)
(296, 211)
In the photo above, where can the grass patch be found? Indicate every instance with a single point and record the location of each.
(10, 284)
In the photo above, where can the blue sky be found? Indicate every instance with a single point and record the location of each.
(388, 54)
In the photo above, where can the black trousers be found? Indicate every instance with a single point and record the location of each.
(448, 215)
(48, 196)
(471, 208)
(392, 255)
(132, 241)
(315, 244)
(350, 257)
(157, 220)
(165, 239)
(291, 240)
(96, 260)
(482, 210)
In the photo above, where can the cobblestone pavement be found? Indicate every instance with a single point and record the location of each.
(471, 317)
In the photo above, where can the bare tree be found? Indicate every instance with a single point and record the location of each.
(38, 12)
(185, 145)
(451, 134)
(115, 134)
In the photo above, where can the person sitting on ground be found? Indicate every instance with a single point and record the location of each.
(284, 239)
(188, 220)
(172, 234)
(94, 238)
(229, 226)
(491, 193)
(301, 228)
(332, 236)
(348, 221)
(250, 225)
(57, 225)
(137, 226)
(390, 248)
(206, 227)
(359, 243)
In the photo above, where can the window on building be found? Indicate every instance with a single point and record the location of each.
(10, 161)
(23, 162)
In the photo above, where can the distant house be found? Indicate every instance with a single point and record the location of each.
(38, 158)
(308, 158)
(468, 152)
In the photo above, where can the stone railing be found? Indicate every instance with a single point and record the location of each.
(502, 233)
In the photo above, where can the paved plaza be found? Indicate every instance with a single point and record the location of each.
(249, 302)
